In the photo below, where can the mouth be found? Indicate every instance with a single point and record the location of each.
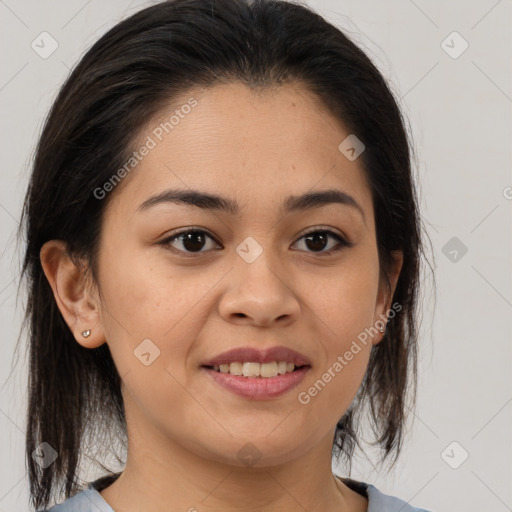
(252, 369)
(258, 374)
(278, 354)
(257, 387)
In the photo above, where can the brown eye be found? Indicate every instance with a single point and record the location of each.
(191, 241)
(196, 241)
(317, 241)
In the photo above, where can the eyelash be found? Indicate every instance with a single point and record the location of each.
(342, 243)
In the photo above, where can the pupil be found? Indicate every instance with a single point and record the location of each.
(314, 237)
(193, 241)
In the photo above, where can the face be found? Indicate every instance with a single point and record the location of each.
(180, 285)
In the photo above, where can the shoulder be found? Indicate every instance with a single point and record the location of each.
(88, 500)
(378, 501)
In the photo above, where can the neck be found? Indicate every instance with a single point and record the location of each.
(161, 475)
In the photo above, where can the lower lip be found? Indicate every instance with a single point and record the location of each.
(259, 388)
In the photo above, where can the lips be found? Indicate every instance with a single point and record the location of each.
(258, 388)
(247, 354)
(251, 385)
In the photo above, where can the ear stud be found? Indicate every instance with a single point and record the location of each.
(86, 333)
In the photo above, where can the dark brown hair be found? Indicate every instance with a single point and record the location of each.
(119, 85)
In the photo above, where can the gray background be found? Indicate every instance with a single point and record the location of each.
(459, 111)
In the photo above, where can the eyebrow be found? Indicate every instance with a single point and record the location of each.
(292, 203)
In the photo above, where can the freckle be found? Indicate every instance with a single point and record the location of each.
(293, 104)
(293, 166)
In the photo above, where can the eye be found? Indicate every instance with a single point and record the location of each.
(317, 240)
(195, 240)
(192, 240)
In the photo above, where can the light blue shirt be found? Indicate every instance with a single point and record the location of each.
(90, 500)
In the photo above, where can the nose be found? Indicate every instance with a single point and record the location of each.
(260, 295)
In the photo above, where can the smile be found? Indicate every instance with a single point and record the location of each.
(251, 369)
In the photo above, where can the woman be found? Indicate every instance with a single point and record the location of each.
(223, 256)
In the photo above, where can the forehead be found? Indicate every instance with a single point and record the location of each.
(255, 146)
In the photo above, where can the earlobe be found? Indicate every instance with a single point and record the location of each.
(80, 309)
(385, 295)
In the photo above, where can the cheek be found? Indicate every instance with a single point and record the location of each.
(346, 344)
(343, 310)
(152, 317)
(345, 299)
(146, 298)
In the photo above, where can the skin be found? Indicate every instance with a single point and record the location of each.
(184, 430)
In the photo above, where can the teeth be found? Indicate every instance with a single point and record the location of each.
(249, 369)
(268, 369)
(236, 369)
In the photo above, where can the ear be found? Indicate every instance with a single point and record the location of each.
(385, 294)
(80, 309)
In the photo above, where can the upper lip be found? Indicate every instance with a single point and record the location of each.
(254, 355)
